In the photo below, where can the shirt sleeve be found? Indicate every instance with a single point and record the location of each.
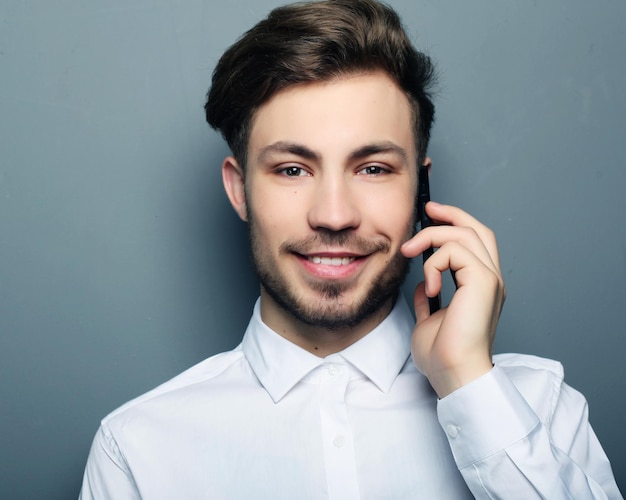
(106, 473)
(519, 432)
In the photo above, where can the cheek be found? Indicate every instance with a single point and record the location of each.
(274, 215)
(394, 215)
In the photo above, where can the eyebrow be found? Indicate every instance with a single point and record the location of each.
(288, 147)
(386, 147)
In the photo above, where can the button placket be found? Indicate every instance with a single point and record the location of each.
(339, 456)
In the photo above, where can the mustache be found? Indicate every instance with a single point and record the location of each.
(345, 239)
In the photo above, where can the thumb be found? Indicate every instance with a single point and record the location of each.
(420, 303)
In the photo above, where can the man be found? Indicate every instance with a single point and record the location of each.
(327, 110)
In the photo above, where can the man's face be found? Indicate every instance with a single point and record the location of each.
(330, 190)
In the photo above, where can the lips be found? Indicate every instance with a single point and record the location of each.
(329, 266)
(334, 256)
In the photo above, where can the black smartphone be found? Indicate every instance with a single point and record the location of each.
(423, 197)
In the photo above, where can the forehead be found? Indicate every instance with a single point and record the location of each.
(336, 116)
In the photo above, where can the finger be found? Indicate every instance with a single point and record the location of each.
(474, 234)
(420, 303)
(469, 269)
(437, 237)
(454, 216)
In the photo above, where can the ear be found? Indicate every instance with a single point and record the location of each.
(428, 163)
(234, 185)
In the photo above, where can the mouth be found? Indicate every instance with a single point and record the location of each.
(331, 261)
(324, 260)
(337, 266)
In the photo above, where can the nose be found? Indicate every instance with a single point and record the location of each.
(334, 206)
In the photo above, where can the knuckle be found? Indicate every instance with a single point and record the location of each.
(470, 232)
(490, 236)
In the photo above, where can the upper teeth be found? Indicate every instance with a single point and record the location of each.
(332, 261)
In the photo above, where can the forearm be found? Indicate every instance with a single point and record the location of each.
(519, 432)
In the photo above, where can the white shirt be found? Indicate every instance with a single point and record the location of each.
(270, 420)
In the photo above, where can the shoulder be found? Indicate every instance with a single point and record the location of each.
(200, 377)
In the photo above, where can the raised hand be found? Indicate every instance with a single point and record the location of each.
(453, 346)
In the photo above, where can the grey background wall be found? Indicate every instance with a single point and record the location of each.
(121, 263)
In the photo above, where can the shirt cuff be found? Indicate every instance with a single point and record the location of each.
(484, 417)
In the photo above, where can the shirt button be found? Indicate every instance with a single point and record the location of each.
(452, 430)
(339, 441)
(334, 370)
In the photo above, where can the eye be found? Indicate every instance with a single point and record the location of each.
(373, 170)
(293, 171)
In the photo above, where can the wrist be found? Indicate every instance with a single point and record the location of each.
(446, 381)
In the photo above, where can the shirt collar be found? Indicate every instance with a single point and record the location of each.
(382, 353)
(280, 365)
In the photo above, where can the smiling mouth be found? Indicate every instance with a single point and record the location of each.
(331, 261)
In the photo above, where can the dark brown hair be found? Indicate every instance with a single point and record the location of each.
(313, 42)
